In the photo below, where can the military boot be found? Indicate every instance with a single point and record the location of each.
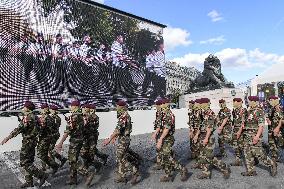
(97, 165)
(54, 170)
(184, 175)
(273, 169)
(43, 179)
(227, 173)
(121, 180)
(72, 181)
(248, 174)
(136, 178)
(196, 166)
(167, 178)
(203, 176)
(63, 161)
(256, 161)
(157, 167)
(89, 179)
(27, 185)
(104, 157)
(237, 162)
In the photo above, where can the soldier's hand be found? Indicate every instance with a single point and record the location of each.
(255, 139)
(268, 121)
(113, 141)
(276, 131)
(154, 136)
(195, 139)
(58, 148)
(106, 142)
(4, 141)
(159, 144)
(205, 141)
(238, 135)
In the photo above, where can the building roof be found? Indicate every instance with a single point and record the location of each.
(122, 12)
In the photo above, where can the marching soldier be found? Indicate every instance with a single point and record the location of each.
(156, 135)
(224, 127)
(206, 157)
(95, 131)
(165, 144)
(88, 151)
(75, 129)
(127, 160)
(253, 130)
(238, 120)
(55, 135)
(45, 125)
(274, 120)
(192, 109)
(28, 127)
(195, 143)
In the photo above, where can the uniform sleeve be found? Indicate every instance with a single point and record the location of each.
(16, 131)
(168, 121)
(68, 126)
(211, 121)
(260, 117)
(121, 123)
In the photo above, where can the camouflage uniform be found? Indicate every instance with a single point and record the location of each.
(168, 162)
(195, 121)
(95, 138)
(158, 124)
(127, 160)
(225, 136)
(54, 136)
(274, 116)
(238, 144)
(254, 118)
(74, 129)
(29, 130)
(207, 158)
(46, 123)
(89, 142)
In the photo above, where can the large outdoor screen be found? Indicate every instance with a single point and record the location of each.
(55, 51)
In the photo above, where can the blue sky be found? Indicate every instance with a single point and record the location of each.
(247, 36)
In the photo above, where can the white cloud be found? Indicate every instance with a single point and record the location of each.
(99, 1)
(174, 37)
(216, 41)
(233, 58)
(215, 16)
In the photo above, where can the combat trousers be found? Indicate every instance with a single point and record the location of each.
(255, 151)
(273, 145)
(73, 156)
(43, 149)
(207, 159)
(168, 161)
(127, 160)
(27, 156)
(222, 140)
(238, 145)
(195, 149)
(52, 150)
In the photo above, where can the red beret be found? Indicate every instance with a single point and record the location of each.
(159, 102)
(197, 101)
(53, 107)
(166, 100)
(253, 98)
(273, 97)
(237, 100)
(205, 100)
(29, 105)
(86, 106)
(121, 103)
(43, 106)
(222, 101)
(92, 106)
(191, 101)
(75, 103)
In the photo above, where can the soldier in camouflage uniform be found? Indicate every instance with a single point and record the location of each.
(165, 144)
(195, 144)
(28, 127)
(89, 141)
(45, 123)
(127, 160)
(96, 124)
(238, 120)
(274, 120)
(191, 112)
(75, 129)
(156, 135)
(253, 129)
(54, 136)
(224, 124)
(207, 140)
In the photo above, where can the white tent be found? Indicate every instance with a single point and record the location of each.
(273, 74)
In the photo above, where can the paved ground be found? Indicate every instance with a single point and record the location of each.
(12, 175)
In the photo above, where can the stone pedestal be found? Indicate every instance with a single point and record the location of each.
(228, 94)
